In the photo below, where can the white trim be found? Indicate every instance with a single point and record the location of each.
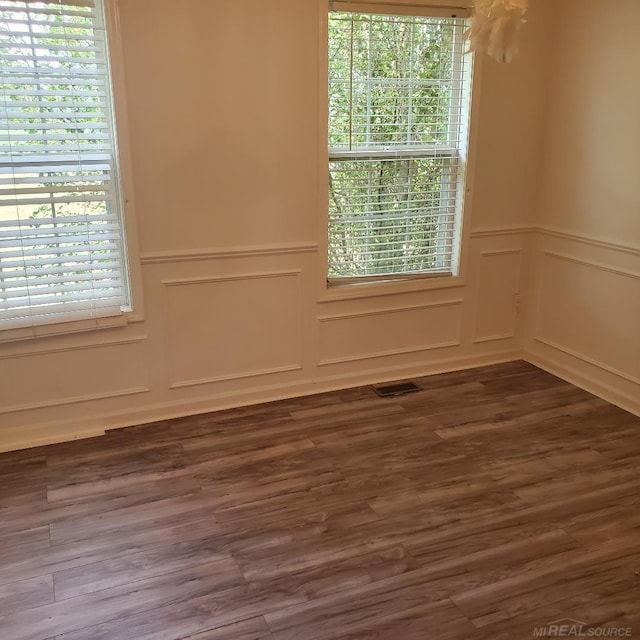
(61, 328)
(378, 312)
(77, 347)
(592, 361)
(506, 230)
(64, 431)
(488, 253)
(384, 354)
(430, 8)
(600, 389)
(125, 162)
(555, 232)
(47, 434)
(194, 255)
(591, 264)
(633, 249)
(495, 338)
(176, 282)
(393, 352)
(501, 252)
(370, 289)
(181, 384)
(74, 400)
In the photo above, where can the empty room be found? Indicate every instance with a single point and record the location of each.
(319, 319)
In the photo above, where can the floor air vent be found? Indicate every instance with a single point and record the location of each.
(397, 389)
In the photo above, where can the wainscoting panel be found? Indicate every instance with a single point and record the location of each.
(231, 327)
(497, 300)
(75, 375)
(363, 335)
(591, 311)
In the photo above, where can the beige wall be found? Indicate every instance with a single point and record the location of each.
(585, 297)
(223, 108)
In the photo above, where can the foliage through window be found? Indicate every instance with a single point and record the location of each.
(62, 253)
(398, 111)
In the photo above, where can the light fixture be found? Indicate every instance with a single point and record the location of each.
(494, 27)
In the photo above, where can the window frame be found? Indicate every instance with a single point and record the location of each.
(133, 270)
(373, 286)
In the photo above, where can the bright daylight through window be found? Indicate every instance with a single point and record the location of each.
(62, 250)
(399, 90)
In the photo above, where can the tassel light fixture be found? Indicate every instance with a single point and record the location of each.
(494, 27)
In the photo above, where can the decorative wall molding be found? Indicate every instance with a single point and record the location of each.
(401, 351)
(181, 384)
(386, 354)
(588, 360)
(600, 388)
(162, 257)
(77, 347)
(177, 282)
(508, 334)
(555, 232)
(75, 400)
(72, 429)
(377, 312)
(501, 252)
(592, 264)
(633, 249)
(199, 378)
(506, 230)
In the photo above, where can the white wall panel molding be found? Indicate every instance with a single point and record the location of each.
(444, 331)
(238, 376)
(594, 379)
(498, 295)
(70, 348)
(64, 430)
(506, 230)
(177, 282)
(591, 264)
(378, 312)
(222, 328)
(596, 363)
(553, 232)
(162, 257)
(585, 325)
(74, 400)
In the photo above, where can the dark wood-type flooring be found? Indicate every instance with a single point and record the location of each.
(493, 502)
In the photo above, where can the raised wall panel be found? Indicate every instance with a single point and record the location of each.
(496, 303)
(592, 311)
(230, 327)
(65, 376)
(371, 334)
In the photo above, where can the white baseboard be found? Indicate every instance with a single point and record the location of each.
(64, 431)
(575, 374)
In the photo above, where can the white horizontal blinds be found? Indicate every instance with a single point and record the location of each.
(61, 242)
(395, 130)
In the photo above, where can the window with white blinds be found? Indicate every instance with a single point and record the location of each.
(398, 116)
(62, 249)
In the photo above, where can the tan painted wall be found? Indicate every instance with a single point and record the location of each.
(223, 107)
(585, 323)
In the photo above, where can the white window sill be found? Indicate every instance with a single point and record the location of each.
(63, 328)
(387, 287)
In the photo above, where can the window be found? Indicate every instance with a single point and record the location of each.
(62, 246)
(399, 88)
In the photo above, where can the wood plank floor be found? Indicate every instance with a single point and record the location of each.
(488, 505)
